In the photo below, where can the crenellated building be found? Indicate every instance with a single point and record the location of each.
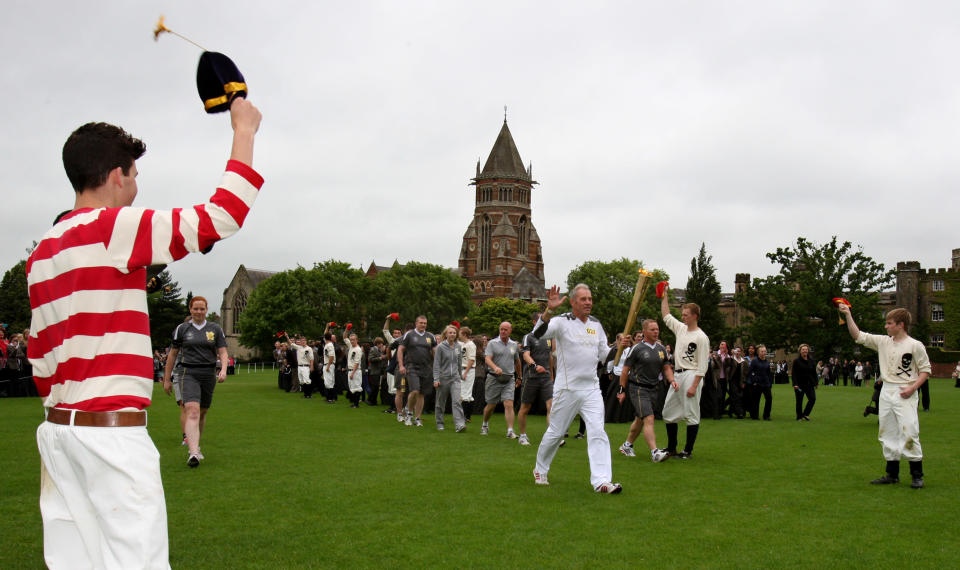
(928, 295)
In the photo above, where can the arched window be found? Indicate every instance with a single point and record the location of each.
(485, 243)
(239, 305)
(522, 238)
(483, 287)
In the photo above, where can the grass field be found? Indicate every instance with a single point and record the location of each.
(290, 483)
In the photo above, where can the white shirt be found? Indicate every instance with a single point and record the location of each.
(693, 347)
(580, 347)
(900, 362)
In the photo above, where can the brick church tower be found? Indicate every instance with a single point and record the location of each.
(501, 255)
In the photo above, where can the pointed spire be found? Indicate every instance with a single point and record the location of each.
(504, 160)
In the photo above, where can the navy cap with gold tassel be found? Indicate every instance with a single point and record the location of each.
(219, 81)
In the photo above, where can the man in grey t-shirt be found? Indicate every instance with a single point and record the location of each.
(503, 377)
(415, 360)
(537, 378)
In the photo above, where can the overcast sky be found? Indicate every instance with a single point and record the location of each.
(651, 126)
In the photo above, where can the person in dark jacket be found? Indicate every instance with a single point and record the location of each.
(759, 382)
(804, 373)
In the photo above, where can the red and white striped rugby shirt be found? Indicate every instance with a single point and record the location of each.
(90, 333)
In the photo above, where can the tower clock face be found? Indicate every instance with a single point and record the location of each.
(472, 247)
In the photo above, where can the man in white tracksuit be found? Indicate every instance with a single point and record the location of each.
(904, 367)
(580, 344)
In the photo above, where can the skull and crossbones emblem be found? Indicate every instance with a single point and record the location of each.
(688, 355)
(904, 368)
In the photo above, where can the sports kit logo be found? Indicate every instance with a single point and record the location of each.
(210, 336)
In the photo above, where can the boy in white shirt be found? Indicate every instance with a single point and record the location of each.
(904, 367)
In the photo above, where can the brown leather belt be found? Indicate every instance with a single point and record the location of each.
(97, 419)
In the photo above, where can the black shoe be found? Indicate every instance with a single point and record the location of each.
(578, 436)
(885, 480)
(917, 483)
(766, 419)
(389, 411)
(684, 455)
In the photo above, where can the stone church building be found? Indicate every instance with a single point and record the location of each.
(501, 254)
(234, 302)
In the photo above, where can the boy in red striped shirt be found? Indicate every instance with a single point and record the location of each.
(101, 497)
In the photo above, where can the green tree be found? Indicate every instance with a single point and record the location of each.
(14, 300)
(704, 290)
(167, 310)
(794, 306)
(612, 284)
(421, 289)
(303, 300)
(486, 318)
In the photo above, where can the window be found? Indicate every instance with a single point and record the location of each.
(936, 312)
(485, 235)
(239, 305)
(486, 194)
(936, 340)
(522, 239)
(938, 285)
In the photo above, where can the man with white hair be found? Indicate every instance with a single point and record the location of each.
(580, 345)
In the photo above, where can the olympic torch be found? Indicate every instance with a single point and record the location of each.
(642, 281)
(837, 301)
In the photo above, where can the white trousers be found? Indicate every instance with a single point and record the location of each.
(899, 425)
(355, 380)
(466, 387)
(303, 374)
(101, 498)
(678, 407)
(391, 384)
(328, 376)
(566, 405)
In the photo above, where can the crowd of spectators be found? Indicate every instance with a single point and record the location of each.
(16, 374)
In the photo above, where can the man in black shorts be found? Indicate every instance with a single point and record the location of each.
(640, 378)
(537, 380)
(415, 361)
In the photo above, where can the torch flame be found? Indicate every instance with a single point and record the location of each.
(159, 29)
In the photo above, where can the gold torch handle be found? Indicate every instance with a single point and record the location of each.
(642, 281)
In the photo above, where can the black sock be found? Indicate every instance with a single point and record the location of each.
(691, 437)
(672, 438)
(893, 469)
(916, 468)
